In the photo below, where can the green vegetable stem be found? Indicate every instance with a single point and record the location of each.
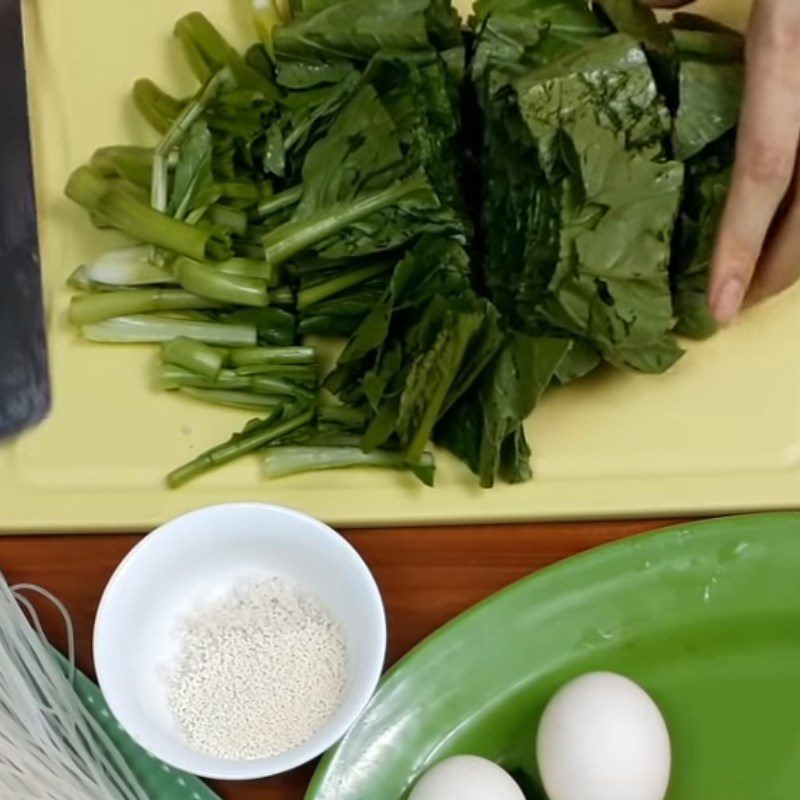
(279, 422)
(130, 215)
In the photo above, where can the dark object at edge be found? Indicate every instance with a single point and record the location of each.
(24, 384)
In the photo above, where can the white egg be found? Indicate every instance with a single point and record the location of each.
(603, 738)
(466, 778)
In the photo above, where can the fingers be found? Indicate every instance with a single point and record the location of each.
(766, 153)
(779, 267)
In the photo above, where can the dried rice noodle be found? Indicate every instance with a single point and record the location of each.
(51, 748)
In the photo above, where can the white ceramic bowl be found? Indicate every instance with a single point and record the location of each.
(202, 554)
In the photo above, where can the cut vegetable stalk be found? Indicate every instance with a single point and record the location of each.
(282, 461)
(273, 427)
(142, 328)
(302, 372)
(276, 328)
(342, 416)
(131, 216)
(195, 356)
(229, 217)
(283, 296)
(272, 355)
(248, 250)
(172, 376)
(249, 401)
(268, 385)
(278, 202)
(322, 291)
(245, 191)
(191, 112)
(210, 282)
(267, 15)
(128, 266)
(133, 163)
(155, 105)
(248, 268)
(222, 79)
(87, 308)
(207, 52)
(295, 236)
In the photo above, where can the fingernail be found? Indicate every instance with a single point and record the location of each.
(728, 301)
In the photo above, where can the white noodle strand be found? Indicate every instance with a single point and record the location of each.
(51, 748)
(18, 588)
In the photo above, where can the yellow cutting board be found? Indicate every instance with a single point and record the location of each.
(720, 432)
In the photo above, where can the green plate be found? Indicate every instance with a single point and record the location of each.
(706, 617)
(160, 781)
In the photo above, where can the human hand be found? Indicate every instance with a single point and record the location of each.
(757, 252)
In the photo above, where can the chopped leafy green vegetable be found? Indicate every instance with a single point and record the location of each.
(419, 349)
(357, 29)
(359, 194)
(700, 217)
(485, 428)
(480, 214)
(594, 123)
(638, 21)
(711, 83)
(710, 96)
(193, 184)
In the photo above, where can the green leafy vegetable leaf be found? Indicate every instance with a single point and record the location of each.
(193, 183)
(710, 97)
(357, 29)
(484, 429)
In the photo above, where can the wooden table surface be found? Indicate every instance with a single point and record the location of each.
(426, 575)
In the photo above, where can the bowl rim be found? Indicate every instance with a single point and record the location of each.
(251, 769)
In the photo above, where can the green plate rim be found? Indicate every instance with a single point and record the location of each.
(769, 523)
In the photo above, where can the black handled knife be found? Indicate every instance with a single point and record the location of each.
(24, 384)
